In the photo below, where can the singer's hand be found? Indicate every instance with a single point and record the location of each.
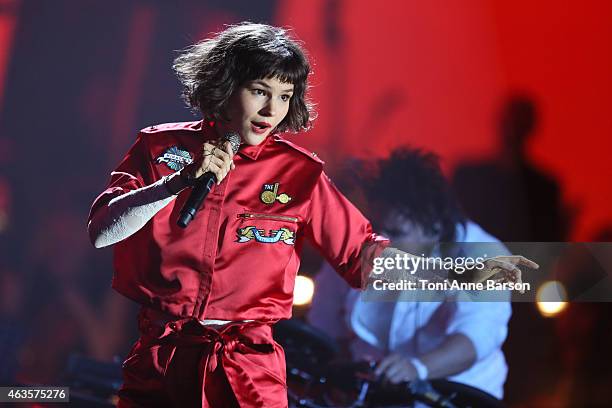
(214, 158)
(503, 269)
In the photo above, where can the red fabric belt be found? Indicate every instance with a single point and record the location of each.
(219, 345)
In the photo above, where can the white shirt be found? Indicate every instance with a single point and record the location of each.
(414, 328)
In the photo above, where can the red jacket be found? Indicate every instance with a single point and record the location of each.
(239, 257)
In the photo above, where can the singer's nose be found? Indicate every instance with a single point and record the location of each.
(269, 109)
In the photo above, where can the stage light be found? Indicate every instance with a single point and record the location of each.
(551, 298)
(303, 291)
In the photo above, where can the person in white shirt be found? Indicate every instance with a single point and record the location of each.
(410, 338)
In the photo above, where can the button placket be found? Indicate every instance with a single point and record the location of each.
(213, 210)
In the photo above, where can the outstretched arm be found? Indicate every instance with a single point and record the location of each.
(499, 268)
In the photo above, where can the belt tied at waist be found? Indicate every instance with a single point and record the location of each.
(218, 345)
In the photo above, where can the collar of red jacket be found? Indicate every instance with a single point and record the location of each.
(252, 152)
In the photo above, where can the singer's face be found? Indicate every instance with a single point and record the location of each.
(256, 108)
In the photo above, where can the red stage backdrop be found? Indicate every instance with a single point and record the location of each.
(435, 74)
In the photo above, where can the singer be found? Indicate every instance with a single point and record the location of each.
(211, 291)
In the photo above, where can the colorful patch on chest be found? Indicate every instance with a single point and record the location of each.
(269, 194)
(175, 158)
(249, 233)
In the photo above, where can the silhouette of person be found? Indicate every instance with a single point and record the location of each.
(509, 196)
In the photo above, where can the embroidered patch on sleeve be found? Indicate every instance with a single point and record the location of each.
(175, 158)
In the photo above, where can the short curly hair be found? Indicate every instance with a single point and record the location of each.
(214, 68)
(411, 183)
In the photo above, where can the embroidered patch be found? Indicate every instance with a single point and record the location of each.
(269, 194)
(175, 158)
(280, 235)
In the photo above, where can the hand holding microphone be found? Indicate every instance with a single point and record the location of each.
(210, 167)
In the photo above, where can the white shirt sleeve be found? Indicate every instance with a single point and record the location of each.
(126, 214)
(484, 323)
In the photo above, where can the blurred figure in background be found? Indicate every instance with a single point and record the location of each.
(518, 202)
(509, 196)
(411, 201)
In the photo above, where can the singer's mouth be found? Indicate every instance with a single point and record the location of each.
(262, 125)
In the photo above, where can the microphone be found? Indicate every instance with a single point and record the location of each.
(203, 186)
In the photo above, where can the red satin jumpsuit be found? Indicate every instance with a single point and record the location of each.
(236, 261)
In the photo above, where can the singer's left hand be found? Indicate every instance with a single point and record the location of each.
(503, 269)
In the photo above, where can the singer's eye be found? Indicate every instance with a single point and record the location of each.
(285, 98)
(259, 92)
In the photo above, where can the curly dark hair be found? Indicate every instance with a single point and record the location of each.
(213, 69)
(410, 182)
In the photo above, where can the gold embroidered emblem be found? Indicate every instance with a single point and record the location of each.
(270, 194)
